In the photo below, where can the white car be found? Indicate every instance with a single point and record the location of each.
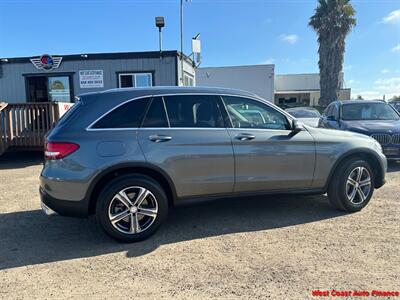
(307, 115)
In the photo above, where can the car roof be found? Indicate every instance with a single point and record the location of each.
(301, 108)
(360, 101)
(130, 93)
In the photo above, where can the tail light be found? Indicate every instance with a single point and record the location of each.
(58, 150)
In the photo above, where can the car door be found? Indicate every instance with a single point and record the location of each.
(185, 135)
(331, 117)
(268, 154)
(324, 117)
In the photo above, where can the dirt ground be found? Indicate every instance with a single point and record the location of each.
(275, 247)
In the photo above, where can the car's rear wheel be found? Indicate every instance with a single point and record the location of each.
(352, 185)
(131, 208)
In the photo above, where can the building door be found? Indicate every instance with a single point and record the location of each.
(37, 89)
(49, 89)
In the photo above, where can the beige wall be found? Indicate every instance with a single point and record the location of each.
(344, 94)
(311, 97)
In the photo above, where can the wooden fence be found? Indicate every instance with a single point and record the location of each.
(25, 125)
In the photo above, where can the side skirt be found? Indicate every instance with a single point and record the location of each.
(206, 198)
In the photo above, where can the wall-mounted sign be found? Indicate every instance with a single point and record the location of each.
(91, 79)
(46, 62)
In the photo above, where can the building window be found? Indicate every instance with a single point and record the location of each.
(135, 80)
(188, 80)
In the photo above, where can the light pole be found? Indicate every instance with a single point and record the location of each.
(181, 15)
(160, 24)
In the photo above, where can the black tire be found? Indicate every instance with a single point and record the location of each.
(107, 202)
(338, 189)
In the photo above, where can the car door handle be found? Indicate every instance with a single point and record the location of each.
(159, 138)
(245, 137)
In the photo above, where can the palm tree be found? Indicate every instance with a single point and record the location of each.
(333, 21)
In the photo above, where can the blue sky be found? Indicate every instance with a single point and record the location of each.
(233, 32)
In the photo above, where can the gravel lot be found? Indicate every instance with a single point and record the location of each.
(275, 247)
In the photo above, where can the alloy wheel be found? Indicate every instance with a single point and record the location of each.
(358, 185)
(133, 210)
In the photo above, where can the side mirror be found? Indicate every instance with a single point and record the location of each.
(331, 118)
(296, 126)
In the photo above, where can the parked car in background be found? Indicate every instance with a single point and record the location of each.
(395, 104)
(129, 155)
(377, 119)
(307, 115)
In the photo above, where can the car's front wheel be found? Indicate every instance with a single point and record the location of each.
(352, 185)
(131, 208)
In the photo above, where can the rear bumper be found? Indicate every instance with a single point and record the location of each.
(63, 207)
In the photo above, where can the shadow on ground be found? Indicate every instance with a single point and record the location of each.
(393, 166)
(30, 237)
(20, 159)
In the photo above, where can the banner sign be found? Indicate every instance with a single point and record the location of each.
(91, 79)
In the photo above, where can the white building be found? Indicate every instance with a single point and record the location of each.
(283, 90)
(258, 79)
(303, 88)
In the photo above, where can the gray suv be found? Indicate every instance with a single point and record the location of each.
(129, 155)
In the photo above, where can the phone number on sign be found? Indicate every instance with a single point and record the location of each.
(354, 293)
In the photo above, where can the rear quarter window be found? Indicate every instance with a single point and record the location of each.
(128, 115)
(69, 113)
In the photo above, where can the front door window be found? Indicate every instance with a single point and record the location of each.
(247, 113)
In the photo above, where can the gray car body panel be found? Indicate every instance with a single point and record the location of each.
(275, 159)
(334, 145)
(196, 161)
(199, 161)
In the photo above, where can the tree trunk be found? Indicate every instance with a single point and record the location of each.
(329, 66)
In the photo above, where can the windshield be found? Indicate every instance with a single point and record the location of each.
(369, 111)
(304, 113)
(396, 105)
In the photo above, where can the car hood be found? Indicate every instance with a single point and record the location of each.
(336, 133)
(309, 121)
(373, 126)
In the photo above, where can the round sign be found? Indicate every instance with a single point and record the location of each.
(46, 61)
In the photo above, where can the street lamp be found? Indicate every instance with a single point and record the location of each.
(160, 24)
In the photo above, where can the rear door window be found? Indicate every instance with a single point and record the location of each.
(128, 115)
(199, 111)
(156, 115)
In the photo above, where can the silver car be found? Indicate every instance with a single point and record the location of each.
(306, 115)
(130, 155)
